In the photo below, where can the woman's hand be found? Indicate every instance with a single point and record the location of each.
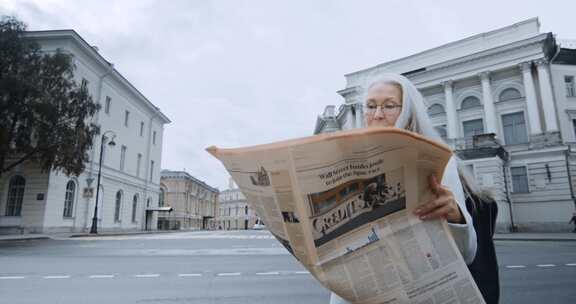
(442, 206)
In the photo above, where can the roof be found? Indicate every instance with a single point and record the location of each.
(169, 173)
(90, 51)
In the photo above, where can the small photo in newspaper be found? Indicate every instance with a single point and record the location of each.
(353, 204)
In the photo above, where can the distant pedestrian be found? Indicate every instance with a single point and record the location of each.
(573, 220)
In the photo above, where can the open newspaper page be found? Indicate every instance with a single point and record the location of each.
(341, 204)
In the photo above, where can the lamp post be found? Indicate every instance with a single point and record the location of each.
(94, 228)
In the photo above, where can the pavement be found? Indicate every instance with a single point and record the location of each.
(516, 236)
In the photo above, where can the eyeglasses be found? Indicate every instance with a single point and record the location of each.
(386, 108)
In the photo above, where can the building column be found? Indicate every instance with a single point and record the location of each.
(531, 103)
(489, 112)
(547, 96)
(451, 122)
(359, 115)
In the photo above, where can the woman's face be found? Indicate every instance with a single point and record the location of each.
(383, 105)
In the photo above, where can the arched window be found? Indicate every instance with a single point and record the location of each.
(69, 198)
(118, 206)
(134, 207)
(148, 201)
(246, 210)
(509, 94)
(470, 102)
(15, 196)
(435, 109)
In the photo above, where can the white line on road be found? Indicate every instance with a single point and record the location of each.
(11, 278)
(228, 274)
(57, 277)
(151, 275)
(268, 273)
(571, 264)
(545, 265)
(302, 272)
(184, 275)
(515, 266)
(101, 276)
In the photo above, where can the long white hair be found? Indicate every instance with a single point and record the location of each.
(414, 117)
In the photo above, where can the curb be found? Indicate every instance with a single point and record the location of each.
(25, 239)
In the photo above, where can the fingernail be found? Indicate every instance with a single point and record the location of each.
(422, 217)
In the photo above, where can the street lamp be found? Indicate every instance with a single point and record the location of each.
(94, 228)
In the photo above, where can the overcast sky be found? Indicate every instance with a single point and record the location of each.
(235, 73)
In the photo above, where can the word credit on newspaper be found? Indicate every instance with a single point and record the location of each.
(341, 203)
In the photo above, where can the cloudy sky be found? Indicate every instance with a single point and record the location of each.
(235, 73)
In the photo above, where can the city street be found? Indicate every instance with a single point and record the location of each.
(226, 267)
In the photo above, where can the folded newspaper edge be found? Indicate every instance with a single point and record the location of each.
(341, 203)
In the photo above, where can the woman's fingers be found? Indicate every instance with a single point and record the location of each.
(430, 206)
(436, 187)
(437, 213)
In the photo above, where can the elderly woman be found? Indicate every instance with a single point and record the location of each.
(393, 101)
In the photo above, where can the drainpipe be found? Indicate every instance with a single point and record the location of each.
(505, 164)
(568, 171)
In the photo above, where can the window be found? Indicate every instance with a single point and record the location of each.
(570, 88)
(138, 162)
(470, 102)
(161, 198)
(69, 199)
(473, 127)
(151, 170)
(509, 94)
(122, 157)
(126, 118)
(514, 128)
(246, 210)
(134, 208)
(107, 105)
(519, 179)
(436, 109)
(154, 137)
(141, 128)
(15, 196)
(574, 125)
(118, 206)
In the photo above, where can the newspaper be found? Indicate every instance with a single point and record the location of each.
(341, 204)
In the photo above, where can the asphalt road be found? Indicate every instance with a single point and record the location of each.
(226, 267)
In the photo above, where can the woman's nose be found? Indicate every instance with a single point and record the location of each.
(379, 114)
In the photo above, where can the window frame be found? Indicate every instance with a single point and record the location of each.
(526, 132)
(126, 118)
(107, 105)
(118, 206)
(15, 196)
(69, 197)
(525, 175)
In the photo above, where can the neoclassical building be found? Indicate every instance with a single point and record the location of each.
(234, 212)
(505, 101)
(193, 202)
(132, 127)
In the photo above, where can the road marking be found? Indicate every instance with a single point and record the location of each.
(184, 275)
(571, 264)
(515, 266)
(57, 277)
(302, 272)
(151, 275)
(268, 273)
(545, 265)
(11, 278)
(228, 274)
(101, 276)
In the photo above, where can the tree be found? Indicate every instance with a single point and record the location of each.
(44, 114)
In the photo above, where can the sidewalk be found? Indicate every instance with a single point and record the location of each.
(524, 236)
(60, 236)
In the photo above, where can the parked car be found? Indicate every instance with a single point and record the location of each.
(259, 226)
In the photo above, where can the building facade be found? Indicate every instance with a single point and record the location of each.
(505, 101)
(36, 201)
(193, 202)
(234, 212)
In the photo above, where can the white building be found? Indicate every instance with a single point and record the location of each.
(505, 100)
(234, 212)
(34, 201)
